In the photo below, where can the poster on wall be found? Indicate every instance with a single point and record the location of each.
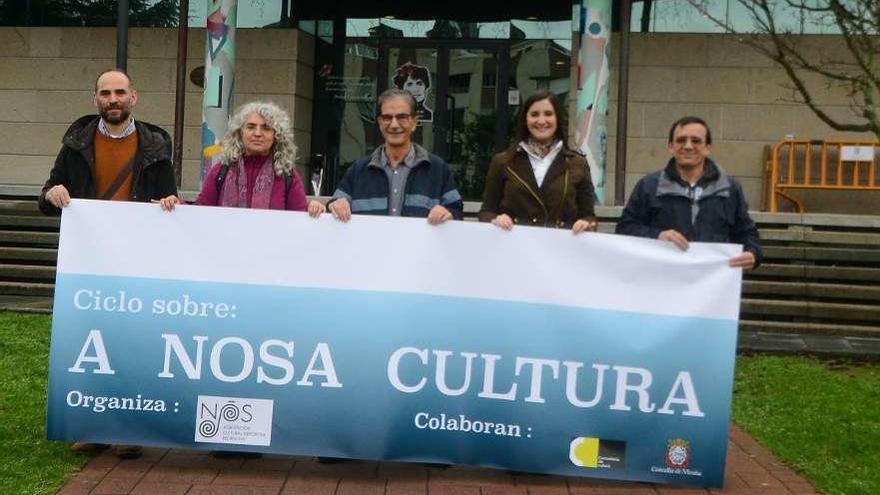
(415, 80)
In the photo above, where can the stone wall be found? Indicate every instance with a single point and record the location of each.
(741, 95)
(48, 76)
(48, 80)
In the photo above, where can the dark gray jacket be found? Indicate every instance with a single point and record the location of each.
(714, 210)
(153, 175)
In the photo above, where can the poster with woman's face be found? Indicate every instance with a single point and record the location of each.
(416, 80)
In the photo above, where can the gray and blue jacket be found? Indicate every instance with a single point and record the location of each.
(713, 210)
(429, 183)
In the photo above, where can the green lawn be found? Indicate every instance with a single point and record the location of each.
(29, 464)
(821, 418)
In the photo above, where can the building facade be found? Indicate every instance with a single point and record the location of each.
(468, 72)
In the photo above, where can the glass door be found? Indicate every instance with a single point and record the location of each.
(461, 97)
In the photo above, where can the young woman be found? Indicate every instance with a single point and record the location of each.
(538, 180)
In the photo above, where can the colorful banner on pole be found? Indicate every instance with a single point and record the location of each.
(592, 31)
(387, 338)
(219, 78)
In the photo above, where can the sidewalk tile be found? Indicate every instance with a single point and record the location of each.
(270, 464)
(272, 479)
(448, 489)
(627, 490)
(800, 487)
(503, 490)
(760, 480)
(153, 488)
(460, 475)
(681, 490)
(79, 486)
(231, 490)
(129, 470)
(398, 486)
(310, 486)
(361, 487)
(347, 469)
(175, 474)
(402, 470)
(115, 486)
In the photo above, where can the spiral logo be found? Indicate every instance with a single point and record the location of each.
(229, 412)
(233, 420)
(208, 428)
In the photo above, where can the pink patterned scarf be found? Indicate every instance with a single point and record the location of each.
(235, 187)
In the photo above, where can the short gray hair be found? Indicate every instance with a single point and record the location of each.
(283, 150)
(395, 93)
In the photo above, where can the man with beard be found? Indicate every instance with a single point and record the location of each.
(113, 157)
(110, 156)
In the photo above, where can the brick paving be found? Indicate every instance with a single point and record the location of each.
(751, 470)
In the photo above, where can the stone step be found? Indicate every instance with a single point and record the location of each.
(28, 254)
(811, 290)
(43, 239)
(26, 289)
(29, 222)
(809, 328)
(26, 304)
(842, 313)
(19, 207)
(42, 273)
(823, 254)
(817, 272)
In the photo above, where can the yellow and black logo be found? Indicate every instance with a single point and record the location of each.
(596, 453)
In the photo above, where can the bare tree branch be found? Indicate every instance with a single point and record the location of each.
(858, 75)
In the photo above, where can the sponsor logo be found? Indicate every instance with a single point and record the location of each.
(678, 459)
(596, 453)
(678, 453)
(234, 420)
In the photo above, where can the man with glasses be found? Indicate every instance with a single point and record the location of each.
(399, 178)
(692, 199)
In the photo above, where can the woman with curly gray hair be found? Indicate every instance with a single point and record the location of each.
(256, 164)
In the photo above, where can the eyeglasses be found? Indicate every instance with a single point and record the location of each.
(402, 118)
(682, 140)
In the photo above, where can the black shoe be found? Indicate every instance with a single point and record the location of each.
(127, 451)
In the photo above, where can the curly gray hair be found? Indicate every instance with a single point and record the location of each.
(283, 150)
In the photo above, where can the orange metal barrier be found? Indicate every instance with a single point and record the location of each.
(828, 165)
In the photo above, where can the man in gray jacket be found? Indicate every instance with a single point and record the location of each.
(692, 199)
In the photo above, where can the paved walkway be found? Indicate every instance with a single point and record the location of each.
(751, 469)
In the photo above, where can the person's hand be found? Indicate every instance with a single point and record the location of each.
(584, 226)
(746, 260)
(167, 203)
(316, 208)
(438, 215)
(504, 221)
(341, 210)
(674, 237)
(58, 196)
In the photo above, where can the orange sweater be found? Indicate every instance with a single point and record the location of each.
(111, 155)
